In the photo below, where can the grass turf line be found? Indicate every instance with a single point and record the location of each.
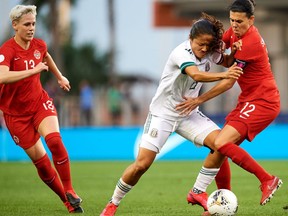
(161, 191)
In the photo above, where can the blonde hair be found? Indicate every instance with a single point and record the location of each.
(19, 10)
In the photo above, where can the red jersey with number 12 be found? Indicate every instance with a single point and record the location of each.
(22, 97)
(257, 81)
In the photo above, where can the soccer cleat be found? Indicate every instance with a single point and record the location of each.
(268, 188)
(72, 209)
(109, 210)
(285, 207)
(198, 199)
(73, 198)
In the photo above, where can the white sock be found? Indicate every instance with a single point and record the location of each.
(205, 178)
(120, 191)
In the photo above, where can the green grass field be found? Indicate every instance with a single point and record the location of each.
(161, 191)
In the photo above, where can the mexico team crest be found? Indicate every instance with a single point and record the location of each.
(207, 66)
(154, 132)
(37, 54)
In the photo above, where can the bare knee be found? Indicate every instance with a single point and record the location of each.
(140, 167)
(218, 144)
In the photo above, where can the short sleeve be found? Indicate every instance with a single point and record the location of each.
(217, 57)
(6, 55)
(182, 59)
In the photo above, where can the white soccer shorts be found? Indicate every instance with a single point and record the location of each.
(194, 128)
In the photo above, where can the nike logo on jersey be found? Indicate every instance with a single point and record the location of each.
(15, 59)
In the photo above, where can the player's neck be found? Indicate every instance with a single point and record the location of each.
(24, 44)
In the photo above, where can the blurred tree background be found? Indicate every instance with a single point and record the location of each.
(75, 62)
(85, 63)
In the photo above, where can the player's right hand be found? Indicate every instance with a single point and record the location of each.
(42, 66)
(234, 72)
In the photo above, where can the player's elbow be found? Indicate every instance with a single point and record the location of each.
(228, 83)
(197, 77)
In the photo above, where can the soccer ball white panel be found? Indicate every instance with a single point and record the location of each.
(222, 202)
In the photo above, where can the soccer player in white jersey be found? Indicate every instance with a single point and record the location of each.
(184, 73)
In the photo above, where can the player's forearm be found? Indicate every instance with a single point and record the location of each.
(228, 60)
(208, 77)
(53, 67)
(7, 77)
(218, 89)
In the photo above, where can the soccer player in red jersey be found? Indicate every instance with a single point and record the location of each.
(28, 110)
(259, 101)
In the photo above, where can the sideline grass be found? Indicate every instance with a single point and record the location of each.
(161, 191)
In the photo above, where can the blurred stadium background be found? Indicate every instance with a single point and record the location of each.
(123, 45)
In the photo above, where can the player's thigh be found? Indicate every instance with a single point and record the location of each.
(48, 125)
(229, 134)
(156, 132)
(45, 119)
(196, 128)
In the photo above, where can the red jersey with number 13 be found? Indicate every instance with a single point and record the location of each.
(257, 81)
(22, 97)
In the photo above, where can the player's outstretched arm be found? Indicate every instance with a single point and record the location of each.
(62, 80)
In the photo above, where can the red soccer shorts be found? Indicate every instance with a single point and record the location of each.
(250, 118)
(23, 129)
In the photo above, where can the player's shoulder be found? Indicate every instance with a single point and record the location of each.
(252, 37)
(8, 48)
(183, 49)
(9, 43)
(228, 33)
(182, 46)
(39, 42)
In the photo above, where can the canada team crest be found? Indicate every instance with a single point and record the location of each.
(37, 54)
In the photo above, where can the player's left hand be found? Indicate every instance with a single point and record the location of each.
(187, 105)
(236, 46)
(64, 84)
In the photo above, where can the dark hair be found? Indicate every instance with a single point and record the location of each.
(208, 24)
(245, 6)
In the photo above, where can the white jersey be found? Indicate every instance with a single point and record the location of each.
(175, 83)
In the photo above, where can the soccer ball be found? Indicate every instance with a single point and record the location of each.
(222, 202)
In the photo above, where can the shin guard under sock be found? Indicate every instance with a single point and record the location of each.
(120, 191)
(240, 157)
(223, 177)
(49, 176)
(204, 179)
(60, 158)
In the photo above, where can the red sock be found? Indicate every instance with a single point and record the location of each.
(49, 176)
(223, 177)
(60, 158)
(244, 160)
